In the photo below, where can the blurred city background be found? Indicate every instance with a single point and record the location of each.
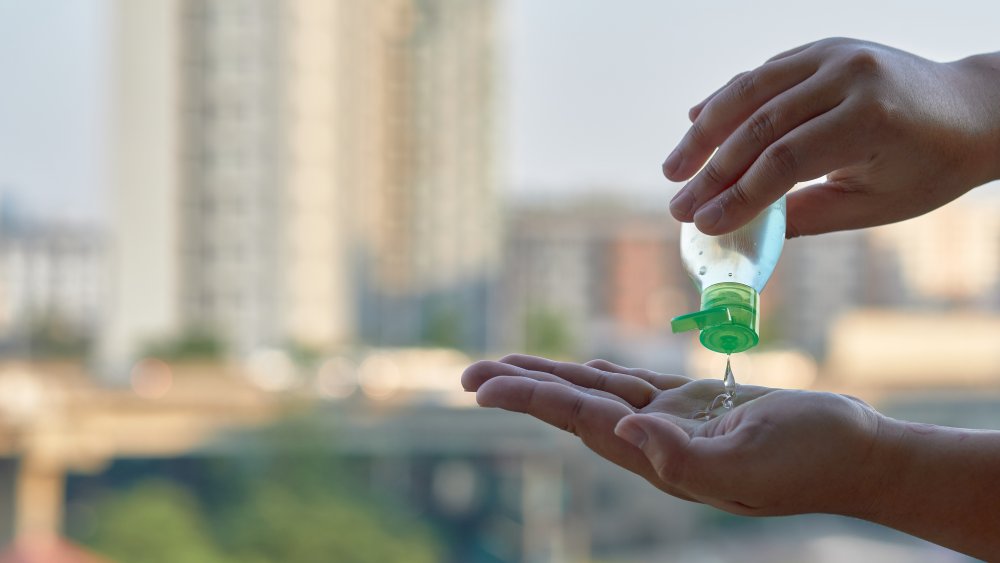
(247, 247)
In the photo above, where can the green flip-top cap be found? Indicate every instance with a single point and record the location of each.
(728, 319)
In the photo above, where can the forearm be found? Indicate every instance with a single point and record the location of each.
(941, 484)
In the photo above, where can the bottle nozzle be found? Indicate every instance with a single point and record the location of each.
(700, 320)
(728, 318)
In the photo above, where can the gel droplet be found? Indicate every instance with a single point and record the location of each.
(722, 402)
(729, 383)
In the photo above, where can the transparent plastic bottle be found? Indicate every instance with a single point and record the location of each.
(730, 271)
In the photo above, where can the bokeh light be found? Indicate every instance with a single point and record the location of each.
(151, 378)
(336, 378)
(379, 377)
(271, 369)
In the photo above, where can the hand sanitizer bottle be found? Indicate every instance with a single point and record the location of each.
(730, 272)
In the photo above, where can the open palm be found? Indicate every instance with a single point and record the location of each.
(777, 452)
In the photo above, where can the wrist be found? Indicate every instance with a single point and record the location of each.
(882, 470)
(980, 77)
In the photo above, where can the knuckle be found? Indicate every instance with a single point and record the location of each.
(575, 415)
(832, 41)
(601, 381)
(876, 114)
(599, 364)
(713, 173)
(736, 77)
(781, 159)
(698, 135)
(760, 128)
(862, 62)
(833, 47)
(740, 194)
(745, 87)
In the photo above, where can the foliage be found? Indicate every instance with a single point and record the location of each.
(303, 355)
(155, 522)
(443, 328)
(192, 344)
(278, 524)
(547, 334)
(52, 337)
(286, 497)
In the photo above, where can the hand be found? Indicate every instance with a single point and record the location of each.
(777, 452)
(895, 134)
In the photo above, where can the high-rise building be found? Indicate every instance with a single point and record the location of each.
(944, 259)
(263, 243)
(51, 278)
(948, 256)
(817, 280)
(311, 172)
(431, 226)
(610, 276)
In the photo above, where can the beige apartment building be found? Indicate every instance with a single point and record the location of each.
(308, 171)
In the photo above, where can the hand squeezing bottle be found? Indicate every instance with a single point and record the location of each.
(730, 271)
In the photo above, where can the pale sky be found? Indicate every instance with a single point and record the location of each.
(596, 91)
(52, 85)
(600, 90)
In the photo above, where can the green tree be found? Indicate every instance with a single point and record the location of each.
(287, 498)
(443, 328)
(50, 336)
(278, 524)
(192, 344)
(154, 522)
(299, 503)
(547, 333)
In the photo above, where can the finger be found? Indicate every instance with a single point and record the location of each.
(661, 381)
(792, 51)
(559, 405)
(696, 110)
(729, 108)
(480, 372)
(637, 392)
(772, 121)
(830, 206)
(663, 442)
(702, 467)
(591, 418)
(809, 151)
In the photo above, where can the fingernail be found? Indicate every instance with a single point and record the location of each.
(632, 434)
(708, 216)
(682, 203)
(671, 163)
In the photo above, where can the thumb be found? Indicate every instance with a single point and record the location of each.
(826, 207)
(664, 443)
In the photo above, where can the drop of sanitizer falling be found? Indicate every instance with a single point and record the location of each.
(724, 401)
(729, 383)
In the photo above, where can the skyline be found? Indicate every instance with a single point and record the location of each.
(608, 64)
